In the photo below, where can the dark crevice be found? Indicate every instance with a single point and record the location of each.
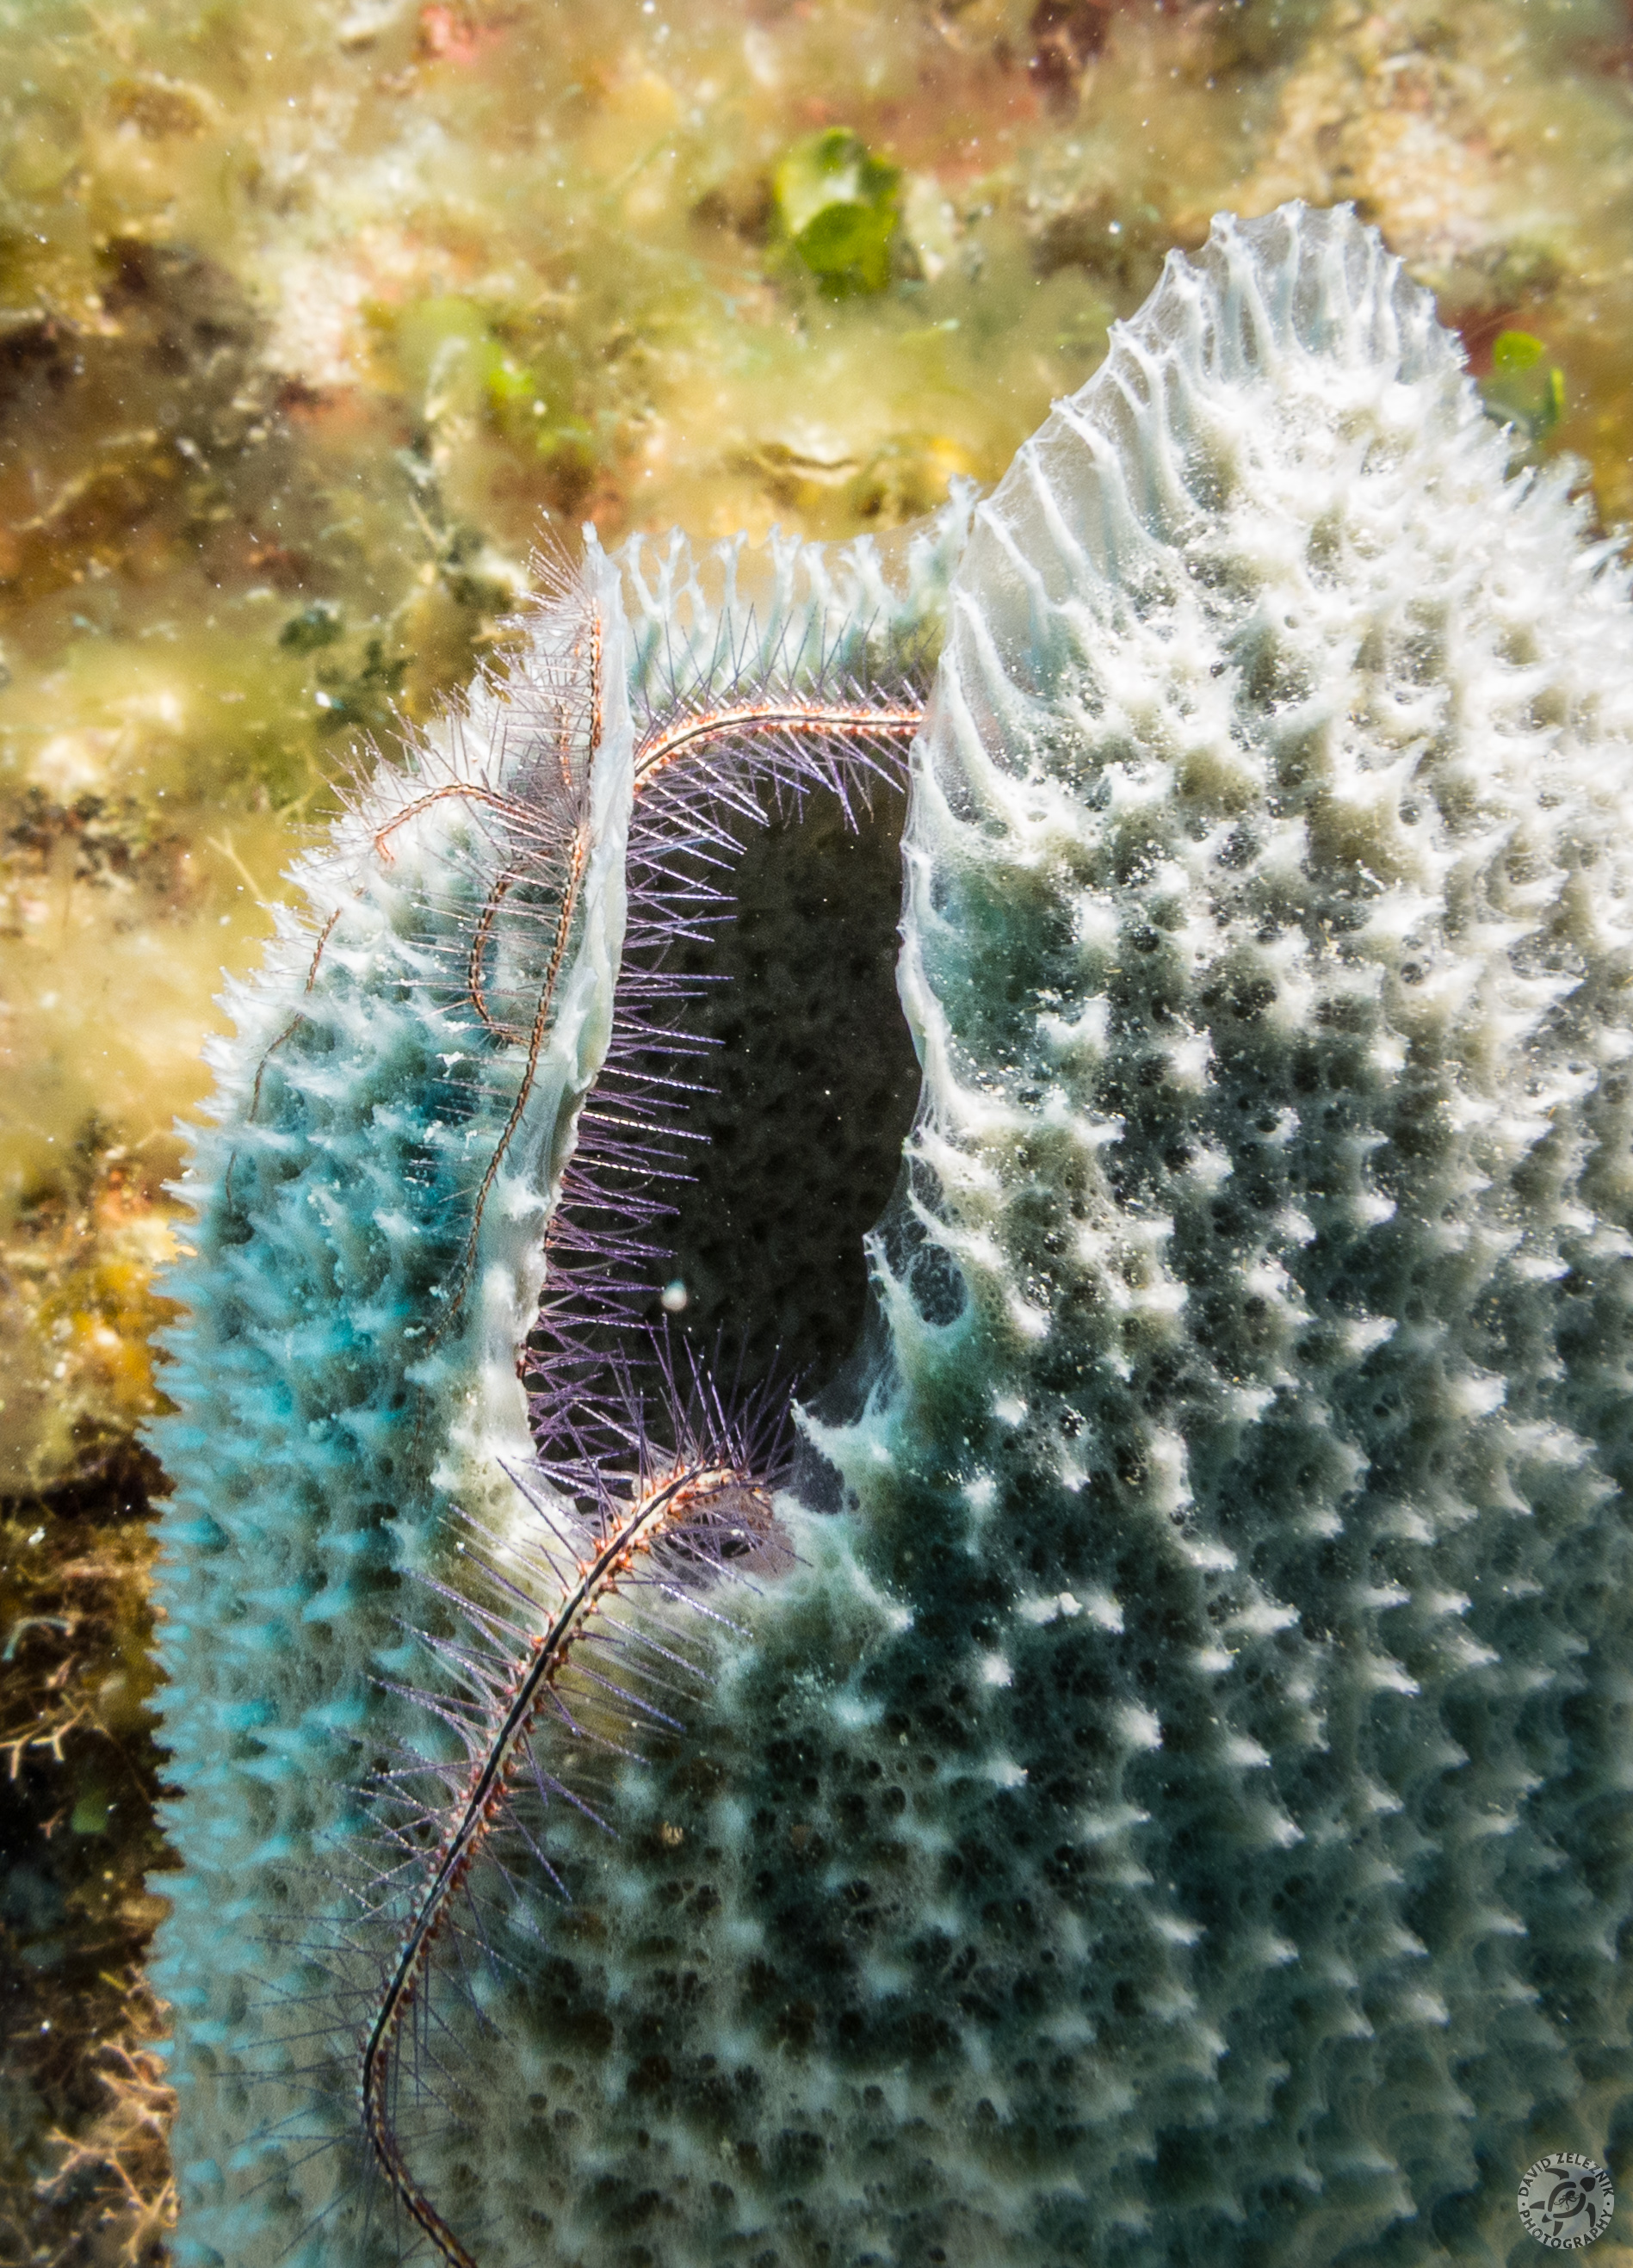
(813, 1086)
(771, 983)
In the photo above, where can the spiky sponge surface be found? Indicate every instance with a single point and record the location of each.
(1268, 939)
(1178, 1812)
(328, 1398)
(359, 1292)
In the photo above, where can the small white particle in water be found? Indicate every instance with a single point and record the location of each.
(38, 1536)
(675, 1296)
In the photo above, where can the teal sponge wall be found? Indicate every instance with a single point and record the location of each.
(330, 1387)
(1173, 1807)
(394, 1115)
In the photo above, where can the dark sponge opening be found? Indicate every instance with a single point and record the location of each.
(813, 1083)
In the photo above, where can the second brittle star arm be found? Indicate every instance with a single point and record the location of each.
(577, 861)
(479, 946)
(473, 793)
(468, 789)
(288, 1033)
(295, 1021)
(647, 1521)
(839, 720)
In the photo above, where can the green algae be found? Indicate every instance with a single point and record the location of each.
(1526, 388)
(836, 204)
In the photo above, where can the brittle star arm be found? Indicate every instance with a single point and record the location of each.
(472, 792)
(479, 947)
(836, 720)
(647, 1521)
(857, 722)
(535, 1047)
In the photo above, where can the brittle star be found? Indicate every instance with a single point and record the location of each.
(661, 1511)
(858, 722)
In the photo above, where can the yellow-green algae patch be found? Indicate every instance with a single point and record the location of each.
(313, 311)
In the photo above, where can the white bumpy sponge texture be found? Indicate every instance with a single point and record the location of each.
(1254, 1466)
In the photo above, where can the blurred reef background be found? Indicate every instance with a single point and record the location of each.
(312, 314)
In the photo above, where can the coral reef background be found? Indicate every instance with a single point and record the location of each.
(309, 313)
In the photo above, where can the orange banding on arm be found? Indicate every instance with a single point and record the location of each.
(659, 1512)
